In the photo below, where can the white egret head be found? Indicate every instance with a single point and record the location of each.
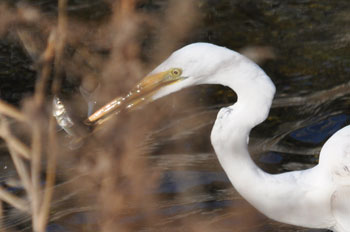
(194, 64)
(203, 63)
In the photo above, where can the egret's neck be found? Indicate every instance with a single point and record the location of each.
(280, 197)
(230, 134)
(255, 92)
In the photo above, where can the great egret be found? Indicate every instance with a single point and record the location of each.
(318, 197)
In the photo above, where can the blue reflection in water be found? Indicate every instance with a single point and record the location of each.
(209, 205)
(55, 228)
(181, 209)
(180, 181)
(271, 158)
(320, 131)
(171, 182)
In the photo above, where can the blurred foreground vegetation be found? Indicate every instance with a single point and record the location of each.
(52, 48)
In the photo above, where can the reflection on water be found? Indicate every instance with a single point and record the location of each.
(311, 73)
(320, 131)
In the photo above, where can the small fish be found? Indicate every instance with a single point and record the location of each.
(60, 113)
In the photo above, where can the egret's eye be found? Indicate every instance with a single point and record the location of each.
(175, 72)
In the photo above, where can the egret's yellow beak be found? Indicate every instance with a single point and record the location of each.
(139, 95)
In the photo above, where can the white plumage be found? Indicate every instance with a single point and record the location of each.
(318, 197)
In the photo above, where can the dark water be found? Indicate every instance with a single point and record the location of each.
(311, 71)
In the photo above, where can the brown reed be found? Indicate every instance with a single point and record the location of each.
(109, 175)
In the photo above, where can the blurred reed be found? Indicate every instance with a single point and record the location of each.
(108, 178)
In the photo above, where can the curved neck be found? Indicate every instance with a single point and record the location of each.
(281, 197)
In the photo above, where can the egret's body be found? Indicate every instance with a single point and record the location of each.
(318, 197)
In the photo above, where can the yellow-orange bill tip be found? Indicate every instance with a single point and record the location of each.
(105, 109)
(137, 96)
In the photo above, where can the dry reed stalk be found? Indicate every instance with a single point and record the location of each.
(16, 151)
(46, 59)
(36, 193)
(11, 111)
(13, 200)
(43, 215)
(59, 42)
(13, 142)
(2, 228)
(176, 27)
(123, 66)
(37, 133)
(21, 170)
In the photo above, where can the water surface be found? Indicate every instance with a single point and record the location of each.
(310, 40)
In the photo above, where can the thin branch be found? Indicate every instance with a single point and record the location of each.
(35, 173)
(46, 60)
(2, 229)
(11, 111)
(22, 171)
(12, 141)
(16, 149)
(50, 176)
(15, 144)
(16, 202)
(40, 219)
(37, 135)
